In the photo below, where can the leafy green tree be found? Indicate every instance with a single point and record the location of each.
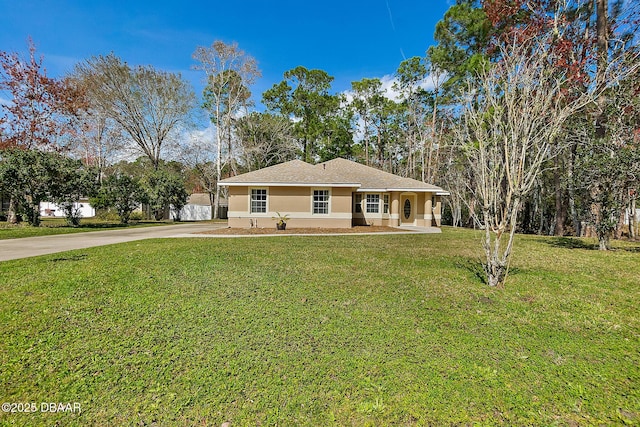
(611, 155)
(463, 39)
(30, 177)
(338, 134)
(606, 169)
(165, 190)
(164, 187)
(24, 176)
(368, 99)
(121, 192)
(72, 181)
(303, 96)
(411, 75)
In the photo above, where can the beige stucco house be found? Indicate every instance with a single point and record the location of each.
(334, 194)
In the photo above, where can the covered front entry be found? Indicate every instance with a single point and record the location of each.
(408, 206)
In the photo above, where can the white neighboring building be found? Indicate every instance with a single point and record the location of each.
(53, 210)
(193, 213)
(198, 208)
(627, 216)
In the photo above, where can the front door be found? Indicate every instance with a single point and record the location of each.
(407, 210)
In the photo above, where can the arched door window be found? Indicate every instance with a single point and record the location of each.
(407, 208)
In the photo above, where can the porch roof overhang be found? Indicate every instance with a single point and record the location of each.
(290, 184)
(438, 192)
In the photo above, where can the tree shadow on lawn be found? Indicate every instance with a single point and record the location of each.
(475, 266)
(569, 243)
(581, 243)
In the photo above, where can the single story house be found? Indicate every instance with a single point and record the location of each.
(335, 194)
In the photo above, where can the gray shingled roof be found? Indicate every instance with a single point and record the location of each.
(374, 179)
(336, 172)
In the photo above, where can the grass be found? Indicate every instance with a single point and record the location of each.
(348, 330)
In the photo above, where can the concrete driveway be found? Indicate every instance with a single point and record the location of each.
(43, 245)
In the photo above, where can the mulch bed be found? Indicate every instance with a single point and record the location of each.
(252, 231)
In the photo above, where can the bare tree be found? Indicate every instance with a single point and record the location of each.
(100, 141)
(437, 77)
(411, 75)
(148, 104)
(197, 153)
(266, 140)
(229, 73)
(508, 128)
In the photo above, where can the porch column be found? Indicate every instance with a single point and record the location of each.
(394, 209)
(437, 211)
(428, 205)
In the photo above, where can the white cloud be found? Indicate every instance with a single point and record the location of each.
(192, 146)
(391, 93)
(388, 82)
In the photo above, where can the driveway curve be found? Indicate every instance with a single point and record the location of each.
(43, 245)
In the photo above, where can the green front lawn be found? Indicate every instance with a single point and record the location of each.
(348, 330)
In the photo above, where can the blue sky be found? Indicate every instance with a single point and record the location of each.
(348, 39)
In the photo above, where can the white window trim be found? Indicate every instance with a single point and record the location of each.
(366, 204)
(266, 212)
(328, 190)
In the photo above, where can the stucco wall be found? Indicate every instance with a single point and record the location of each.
(238, 199)
(296, 202)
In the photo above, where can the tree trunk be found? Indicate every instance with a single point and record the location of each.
(216, 205)
(497, 265)
(632, 218)
(618, 233)
(12, 214)
(540, 203)
(603, 47)
(603, 241)
(561, 210)
(597, 208)
(577, 225)
(366, 143)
